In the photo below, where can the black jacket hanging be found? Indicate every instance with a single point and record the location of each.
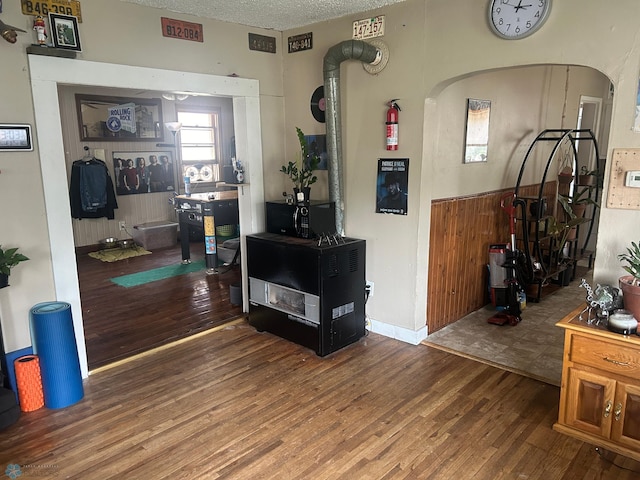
(91, 190)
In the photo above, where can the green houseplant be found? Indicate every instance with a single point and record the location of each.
(575, 205)
(9, 258)
(300, 172)
(588, 177)
(630, 284)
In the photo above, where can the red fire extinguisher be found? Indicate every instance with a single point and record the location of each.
(392, 124)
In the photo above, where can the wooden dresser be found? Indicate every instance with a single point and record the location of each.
(600, 390)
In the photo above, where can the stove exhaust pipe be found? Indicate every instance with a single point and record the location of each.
(347, 50)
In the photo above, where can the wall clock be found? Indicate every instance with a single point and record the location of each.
(514, 19)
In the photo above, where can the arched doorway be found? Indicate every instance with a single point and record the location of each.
(525, 100)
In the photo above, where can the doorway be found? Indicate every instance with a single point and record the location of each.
(589, 114)
(48, 72)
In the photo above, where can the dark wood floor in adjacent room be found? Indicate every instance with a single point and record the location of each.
(120, 322)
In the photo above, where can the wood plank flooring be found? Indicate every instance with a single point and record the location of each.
(120, 322)
(238, 404)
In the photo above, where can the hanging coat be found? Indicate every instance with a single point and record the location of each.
(91, 190)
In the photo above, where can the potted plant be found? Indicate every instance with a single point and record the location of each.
(587, 177)
(630, 284)
(300, 172)
(9, 258)
(574, 206)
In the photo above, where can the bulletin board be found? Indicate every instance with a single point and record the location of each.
(624, 159)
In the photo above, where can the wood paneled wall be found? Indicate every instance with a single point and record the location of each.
(461, 231)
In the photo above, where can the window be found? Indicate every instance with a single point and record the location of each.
(199, 145)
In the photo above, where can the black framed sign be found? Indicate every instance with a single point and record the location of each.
(103, 118)
(15, 138)
(64, 31)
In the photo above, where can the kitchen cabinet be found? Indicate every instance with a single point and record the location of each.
(600, 389)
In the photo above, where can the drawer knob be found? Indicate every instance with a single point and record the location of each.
(616, 362)
(617, 411)
(607, 409)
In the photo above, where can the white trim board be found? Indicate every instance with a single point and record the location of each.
(49, 72)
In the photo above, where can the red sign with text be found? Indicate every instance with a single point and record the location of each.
(183, 30)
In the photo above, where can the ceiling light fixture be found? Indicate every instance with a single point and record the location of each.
(175, 96)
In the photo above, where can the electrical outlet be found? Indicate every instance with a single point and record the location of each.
(122, 225)
(369, 288)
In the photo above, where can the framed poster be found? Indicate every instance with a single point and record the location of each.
(392, 187)
(119, 118)
(143, 172)
(476, 145)
(318, 146)
(64, 31)
(15, 138)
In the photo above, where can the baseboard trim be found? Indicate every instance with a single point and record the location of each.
(399, 333)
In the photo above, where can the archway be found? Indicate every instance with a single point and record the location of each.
(525, 101)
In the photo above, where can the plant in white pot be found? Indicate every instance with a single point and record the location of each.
(630, 284)
(9, 258)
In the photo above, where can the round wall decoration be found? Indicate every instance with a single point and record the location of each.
(318, 104)
(514, 19)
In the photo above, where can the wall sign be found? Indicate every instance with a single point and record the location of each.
(298, 43)
(119, 118)
(173, 28)
(261, 43)
(392, 186)
(368, 28)
(15, 138)
(45, 7)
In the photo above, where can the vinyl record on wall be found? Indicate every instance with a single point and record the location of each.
(318, 104)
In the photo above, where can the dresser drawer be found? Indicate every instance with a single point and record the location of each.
(605, 356)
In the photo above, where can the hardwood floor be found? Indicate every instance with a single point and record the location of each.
(237, 404)
(120, 322)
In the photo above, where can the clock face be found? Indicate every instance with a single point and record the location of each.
(512, 19)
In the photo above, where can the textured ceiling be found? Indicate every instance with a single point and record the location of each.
(272, 14)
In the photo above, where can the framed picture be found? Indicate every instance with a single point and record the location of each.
(392, 188)
(143, 172)
(119, 118)
(64, 31)
(318, 145)
(476, 145)
(15, 138)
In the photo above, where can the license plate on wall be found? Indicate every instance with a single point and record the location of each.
(44, 7)
(368, 28)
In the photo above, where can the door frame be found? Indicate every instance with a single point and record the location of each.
(49, 72)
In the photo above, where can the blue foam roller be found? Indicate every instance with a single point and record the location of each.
(54, 340)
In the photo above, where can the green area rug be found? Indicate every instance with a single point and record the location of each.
(156, 274)
(115, 254)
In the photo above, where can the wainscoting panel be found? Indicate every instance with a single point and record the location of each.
(461, 231)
